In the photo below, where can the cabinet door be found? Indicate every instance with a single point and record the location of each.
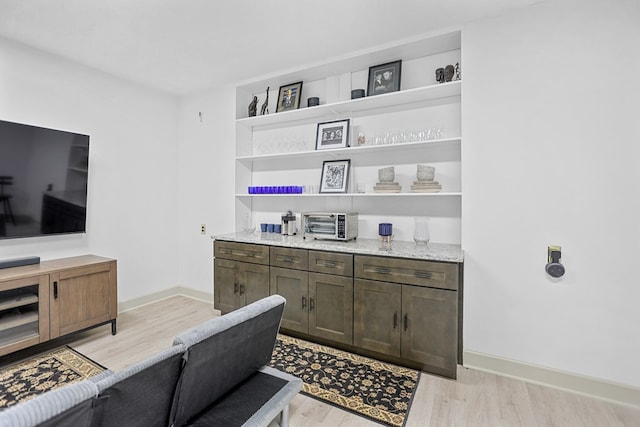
(82, 297)
(331, 307)
(226, 297)
(24, 313)
(253, 282)
(377, 316)
(293, 285)
(429, 327)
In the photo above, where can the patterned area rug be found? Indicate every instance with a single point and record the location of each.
(376, 390)
(26, 379)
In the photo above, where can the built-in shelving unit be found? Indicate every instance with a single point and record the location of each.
(279, 148)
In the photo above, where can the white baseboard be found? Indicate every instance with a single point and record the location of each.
(593, 387)
(164, 294)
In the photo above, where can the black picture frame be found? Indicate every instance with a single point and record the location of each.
(335, 176)
(289, 97)
(384, 78)
(334, 134)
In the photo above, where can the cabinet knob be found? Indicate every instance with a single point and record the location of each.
(395, 320)
(241, 289)
(406, 321)
(235, 288)
(55, 289)
(311, 304)
(330, 264)
(304, 302)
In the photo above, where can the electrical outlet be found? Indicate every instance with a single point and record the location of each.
(203, 228)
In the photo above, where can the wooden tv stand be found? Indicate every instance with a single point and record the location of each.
(54, 298)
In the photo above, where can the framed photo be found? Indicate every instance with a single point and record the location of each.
(333, 134)
(335, 176)
(384, 78)
(289, 97)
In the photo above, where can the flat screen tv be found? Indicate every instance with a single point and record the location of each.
(43, 181)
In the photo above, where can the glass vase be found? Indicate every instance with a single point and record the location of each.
(421, 231)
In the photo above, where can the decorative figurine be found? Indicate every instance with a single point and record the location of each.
(448, 73)
(440, 75)
(264, 109)
(457, 71)
(253, 107)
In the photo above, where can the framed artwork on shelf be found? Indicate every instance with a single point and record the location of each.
(333, 134)
(384, 78)
(289, 97)
(335, 176)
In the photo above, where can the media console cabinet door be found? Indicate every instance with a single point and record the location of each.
(82, 297)
(24, 313)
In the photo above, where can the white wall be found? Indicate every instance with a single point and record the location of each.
(132, 209)
(550, 114)
(207, 173)
(550, 123)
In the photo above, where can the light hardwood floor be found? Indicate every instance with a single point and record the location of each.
(475, 399)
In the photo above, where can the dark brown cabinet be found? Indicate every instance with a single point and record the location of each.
(377, 316)
(417, 322)
(331, 307)
(293, 285)
(239, 284)
(241, 274)
(318, 304)
(403, 310)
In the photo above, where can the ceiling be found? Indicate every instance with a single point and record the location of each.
(183, 46)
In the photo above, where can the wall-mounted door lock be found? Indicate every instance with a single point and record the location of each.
(554, 268)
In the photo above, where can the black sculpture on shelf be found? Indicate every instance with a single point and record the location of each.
(448, 73)
(265, 106)
(253, 107)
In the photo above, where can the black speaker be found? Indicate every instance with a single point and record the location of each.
(17, 262)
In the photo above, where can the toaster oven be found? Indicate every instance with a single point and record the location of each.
(330, 225)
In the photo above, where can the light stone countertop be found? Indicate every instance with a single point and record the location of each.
(432, 252)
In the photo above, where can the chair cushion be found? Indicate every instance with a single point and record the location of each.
(256, 402)
(241, 402)
(67, 406)
(223, 352)
(142, 394)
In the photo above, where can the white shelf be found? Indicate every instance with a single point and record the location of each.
(397, 101)
(422, 104)
(19, 319)
(349, 150)
(441, 194)
(18, 301)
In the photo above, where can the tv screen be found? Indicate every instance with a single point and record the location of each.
(43, 181)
